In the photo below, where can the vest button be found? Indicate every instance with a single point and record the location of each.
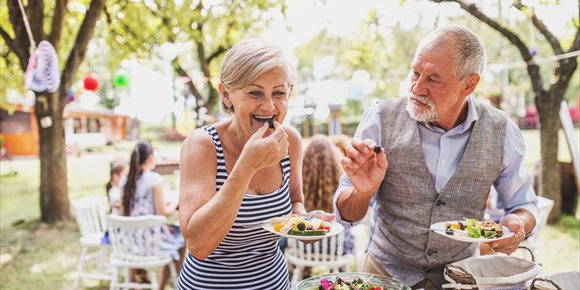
(431, 252)
(439, 202)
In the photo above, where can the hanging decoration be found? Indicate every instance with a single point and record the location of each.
(120, 80)
(91, 83)
(42, 73)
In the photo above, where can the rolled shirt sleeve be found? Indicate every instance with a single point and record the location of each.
(514, 184)
(368, 128)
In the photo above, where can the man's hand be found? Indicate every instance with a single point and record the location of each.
(365, 168)
(509, 245)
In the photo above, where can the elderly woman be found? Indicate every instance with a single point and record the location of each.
(237, 173)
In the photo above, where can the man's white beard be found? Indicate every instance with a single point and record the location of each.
(420, 113)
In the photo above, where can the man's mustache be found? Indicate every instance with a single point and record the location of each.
(423, 100)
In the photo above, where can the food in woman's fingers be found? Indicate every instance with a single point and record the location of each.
(377, 149)
(271, 124)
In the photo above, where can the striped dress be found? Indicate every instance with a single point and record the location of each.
(249, 256)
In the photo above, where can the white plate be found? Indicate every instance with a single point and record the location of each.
(462, 235)
(335, 229)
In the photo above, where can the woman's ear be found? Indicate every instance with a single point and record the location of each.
(225, 95)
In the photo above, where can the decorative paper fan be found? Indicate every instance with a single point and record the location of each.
(42, 73)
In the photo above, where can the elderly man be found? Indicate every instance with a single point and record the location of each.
(445, 150)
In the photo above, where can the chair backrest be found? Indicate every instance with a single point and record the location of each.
(329, 249)
(136, 239)
(91, 214)
(545, 206)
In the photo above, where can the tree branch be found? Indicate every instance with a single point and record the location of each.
(79, 50)
(21, 42)
(9, 41)
(539, 24)
(35, 11)
(56, 26)
(221, 49)
(204, 66)
(190, 84)
(576, 43)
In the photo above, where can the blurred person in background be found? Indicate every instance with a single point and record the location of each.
(118, 169)
(321, 171)
(143, 195)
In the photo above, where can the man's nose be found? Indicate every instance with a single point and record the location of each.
(418, 88)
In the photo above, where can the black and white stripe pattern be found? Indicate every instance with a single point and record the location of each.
(248, 257)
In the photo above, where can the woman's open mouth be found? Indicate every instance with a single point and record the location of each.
(264, 118)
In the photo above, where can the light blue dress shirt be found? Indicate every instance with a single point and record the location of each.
(443, 152)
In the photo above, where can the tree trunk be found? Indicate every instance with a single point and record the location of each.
(548, 109)
(54, 204)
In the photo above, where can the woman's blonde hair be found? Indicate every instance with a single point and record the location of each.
(249, 59)
(320, 173)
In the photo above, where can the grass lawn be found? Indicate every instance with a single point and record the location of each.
(34, 255)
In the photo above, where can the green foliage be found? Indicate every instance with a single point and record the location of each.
(570, 225)
(205, 29)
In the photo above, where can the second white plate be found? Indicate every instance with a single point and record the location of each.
(462, 235)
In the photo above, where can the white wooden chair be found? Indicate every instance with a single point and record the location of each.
(545, 206)
(328, 252)
(90, 214)
(135, 244)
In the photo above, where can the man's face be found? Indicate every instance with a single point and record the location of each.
(436, 93)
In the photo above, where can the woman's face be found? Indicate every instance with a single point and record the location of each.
(263, 99)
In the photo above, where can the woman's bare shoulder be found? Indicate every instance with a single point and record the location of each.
(197, 142)
(293, 134)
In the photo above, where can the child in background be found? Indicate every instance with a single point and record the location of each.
(321, 171)
(119, 168)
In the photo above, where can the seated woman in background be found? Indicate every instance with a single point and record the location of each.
(143, 195)
(321, 171)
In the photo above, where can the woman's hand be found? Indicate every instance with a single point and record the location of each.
(263, 149)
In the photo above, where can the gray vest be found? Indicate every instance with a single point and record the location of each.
(407, 195)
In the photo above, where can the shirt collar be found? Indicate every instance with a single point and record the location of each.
(466, 125)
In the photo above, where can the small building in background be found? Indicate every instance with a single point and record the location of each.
(18, 130)
(84, 128)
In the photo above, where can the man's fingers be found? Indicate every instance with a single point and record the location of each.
(355, 155)
(348, 164)
(382, 160)
(363, 146)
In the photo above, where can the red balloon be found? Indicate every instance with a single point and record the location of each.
(91, 83)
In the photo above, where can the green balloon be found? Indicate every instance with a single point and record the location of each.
(120, 80)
